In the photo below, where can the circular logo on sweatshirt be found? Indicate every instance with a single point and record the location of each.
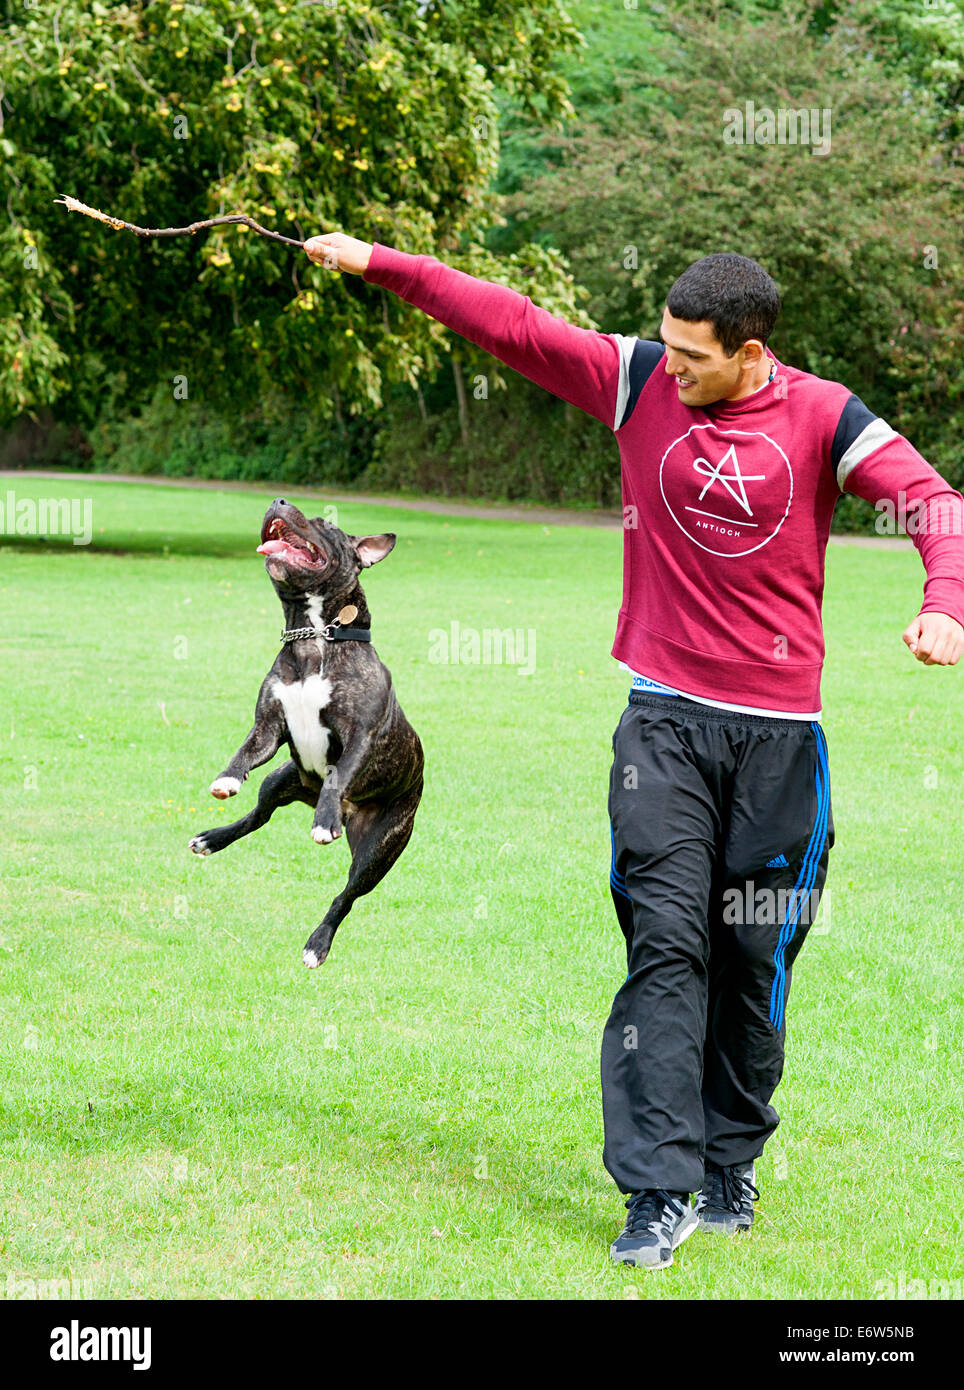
(729, 490)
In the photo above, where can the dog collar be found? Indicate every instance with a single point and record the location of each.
(331, 632)
(335, 631)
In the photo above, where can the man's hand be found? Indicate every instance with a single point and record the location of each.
(936, 639)
(337, 251)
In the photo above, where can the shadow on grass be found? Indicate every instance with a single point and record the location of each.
(208, 1119)
(150, 547)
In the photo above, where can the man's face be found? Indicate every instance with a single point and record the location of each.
(703, 372)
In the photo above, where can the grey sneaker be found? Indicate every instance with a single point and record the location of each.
(657, 1223)
(725, 1201)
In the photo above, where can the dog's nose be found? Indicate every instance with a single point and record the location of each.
(279, 502)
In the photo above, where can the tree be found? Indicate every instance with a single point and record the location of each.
(864, 239)
(376, 119)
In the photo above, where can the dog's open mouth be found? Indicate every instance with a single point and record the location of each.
(277, 538)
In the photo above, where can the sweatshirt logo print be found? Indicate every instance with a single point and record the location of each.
(716, 474)
(728, 490)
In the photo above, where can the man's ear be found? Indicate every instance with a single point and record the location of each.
(371, 549)
(753, 352)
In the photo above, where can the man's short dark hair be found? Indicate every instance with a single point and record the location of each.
(732, 292)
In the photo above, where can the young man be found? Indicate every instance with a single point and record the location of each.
(719, 795)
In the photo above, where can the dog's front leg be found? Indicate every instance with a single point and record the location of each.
(327, 825)
(259, 747)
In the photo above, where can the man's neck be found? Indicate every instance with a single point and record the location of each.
(762, 375)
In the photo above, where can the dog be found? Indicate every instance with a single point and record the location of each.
(354, 756)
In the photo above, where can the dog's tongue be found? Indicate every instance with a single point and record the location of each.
(272, 547)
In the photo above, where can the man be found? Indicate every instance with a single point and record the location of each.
(719, 795)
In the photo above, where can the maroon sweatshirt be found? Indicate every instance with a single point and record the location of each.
(726, 507)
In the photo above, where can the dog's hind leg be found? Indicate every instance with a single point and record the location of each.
(279, 788)
(377, 837)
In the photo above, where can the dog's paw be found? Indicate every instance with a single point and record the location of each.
(323, 834)
(223, 787)
(200, 845)
(317, 946)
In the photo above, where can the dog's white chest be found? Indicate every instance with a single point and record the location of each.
(302, 702)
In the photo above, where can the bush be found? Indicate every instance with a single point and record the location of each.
(188, 439)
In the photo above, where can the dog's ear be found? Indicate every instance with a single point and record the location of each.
(371, 549)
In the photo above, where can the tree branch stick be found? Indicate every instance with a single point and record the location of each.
(74, 205)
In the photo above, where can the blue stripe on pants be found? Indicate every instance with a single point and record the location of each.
(805, 879)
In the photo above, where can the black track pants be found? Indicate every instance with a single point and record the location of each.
(721, 833)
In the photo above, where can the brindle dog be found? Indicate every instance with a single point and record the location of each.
(354, 756)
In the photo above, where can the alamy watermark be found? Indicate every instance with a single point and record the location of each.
(899, 1286)
(748, 905)
(24, 1286)
(918, 516)
(808, 125)
(488, 646)
(47, 516)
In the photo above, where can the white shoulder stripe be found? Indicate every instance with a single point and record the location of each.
(626, 346)
(877, 433)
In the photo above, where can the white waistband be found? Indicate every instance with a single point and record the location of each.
(641, 682)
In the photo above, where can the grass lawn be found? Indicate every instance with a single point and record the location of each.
(188, 1112)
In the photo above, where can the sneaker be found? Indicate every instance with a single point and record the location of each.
(658, 1221)
(725, 1202)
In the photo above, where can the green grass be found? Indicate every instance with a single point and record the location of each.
(188, 1112)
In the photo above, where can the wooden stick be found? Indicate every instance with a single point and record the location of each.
(74, 205)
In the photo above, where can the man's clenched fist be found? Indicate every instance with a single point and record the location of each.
(936, 639)
(337, 251)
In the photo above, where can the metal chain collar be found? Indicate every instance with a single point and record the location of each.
(331, 632)
(297, 634)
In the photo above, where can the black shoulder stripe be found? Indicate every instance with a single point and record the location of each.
(854, 419)
(645, 357)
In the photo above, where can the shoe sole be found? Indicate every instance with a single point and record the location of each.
(689, 1225)
(725, 1228)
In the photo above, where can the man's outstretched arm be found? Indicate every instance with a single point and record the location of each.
(586, 368)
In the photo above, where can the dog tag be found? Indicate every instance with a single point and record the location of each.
(348, 614)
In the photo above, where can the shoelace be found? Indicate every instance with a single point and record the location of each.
(645, 1208)
(735, 1189)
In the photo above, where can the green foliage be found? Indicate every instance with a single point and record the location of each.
(32, 360)
(865, 241)
(377, 121)
(523, 445)
(407, 124)
(189, 439)
(923, 40)
(920, 40)
(624, 50)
